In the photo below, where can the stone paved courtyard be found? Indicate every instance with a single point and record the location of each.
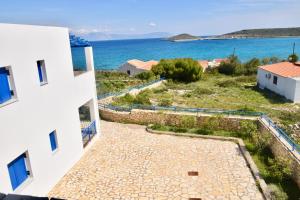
(128, 163)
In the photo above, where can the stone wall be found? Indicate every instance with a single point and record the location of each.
(171, 118)
(279, 150)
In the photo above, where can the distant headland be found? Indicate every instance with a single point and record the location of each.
(183, 37)
(262, 33)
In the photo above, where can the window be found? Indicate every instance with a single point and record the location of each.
(53, 141)
(275, 80)
(42, 72)
(6, 92)
(18, 171)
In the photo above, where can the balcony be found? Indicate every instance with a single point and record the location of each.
(82, 55)
(88, 131)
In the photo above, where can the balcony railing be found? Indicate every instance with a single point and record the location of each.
(88, 131)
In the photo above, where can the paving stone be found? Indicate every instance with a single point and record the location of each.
(126, 162)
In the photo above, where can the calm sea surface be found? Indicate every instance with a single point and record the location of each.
(111, 54)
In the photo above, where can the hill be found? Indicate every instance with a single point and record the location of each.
(268, 32)
(183, 37)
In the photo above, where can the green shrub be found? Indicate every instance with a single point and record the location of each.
(188, 121)
(293, 58)
(279, 169)
(246, 79)
(277, 193)
(204, 131)
(248, 128)
(146, 76)
(247, 109)
(178, 130)
(227, 83)
(232, 66)
(183, 69)
(159, 127)
(165, 102)
(250, 67)
(203, 91)
(212, 123)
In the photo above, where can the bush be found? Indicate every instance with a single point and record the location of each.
(248, 128)
(293, 58)
(188, 121)
(159, 127)
(204, 131)
(246, 79)
(279, 169)
(165, 102)
(277, 193)
(143, 98)
(231, 67)
(146, 76)
(203, 91)
(178, 130)
(184, 69)
(227, 83)
(250, 67)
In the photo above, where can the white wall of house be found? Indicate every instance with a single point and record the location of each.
(27, 121)
(132, 69)
(287, 87)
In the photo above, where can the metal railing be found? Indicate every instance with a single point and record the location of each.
(88, 132)
(137, 87)
(180, 109)
(282, 134)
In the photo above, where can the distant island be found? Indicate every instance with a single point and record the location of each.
(183, 37)
(263, 33)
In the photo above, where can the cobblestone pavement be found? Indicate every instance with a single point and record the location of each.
(128, 163)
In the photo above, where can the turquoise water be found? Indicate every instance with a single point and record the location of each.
(111, 54)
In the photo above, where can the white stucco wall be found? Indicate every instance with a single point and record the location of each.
(287, 87)
(39, 110)
(133, 70)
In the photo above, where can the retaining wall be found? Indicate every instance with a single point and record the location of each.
(279, 150)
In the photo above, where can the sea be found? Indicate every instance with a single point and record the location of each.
(109, 55)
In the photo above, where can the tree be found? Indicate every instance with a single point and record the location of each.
(293, 58)
(184, 69)
(231, 67)
(251, 66)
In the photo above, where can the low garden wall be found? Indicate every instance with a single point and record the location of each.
(172, 119)
(279, 150)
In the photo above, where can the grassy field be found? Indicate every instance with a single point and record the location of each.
(108, 81)
(264, 159)
(223, 92)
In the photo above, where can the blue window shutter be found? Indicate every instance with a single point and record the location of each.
(17, 171)
(40, 71)
(53, 141)
(5, 93)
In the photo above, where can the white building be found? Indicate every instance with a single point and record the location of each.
(41, 136)
(134, 67)
(282, 78)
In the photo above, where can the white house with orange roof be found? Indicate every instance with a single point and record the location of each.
(282, 78)
(134, 67)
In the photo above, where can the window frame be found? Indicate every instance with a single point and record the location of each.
(53, 141)
(11, 85)
(42, 73)
(11, 171)
(275, 80)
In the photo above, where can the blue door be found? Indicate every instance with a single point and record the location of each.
(17, 171)
(5, 93)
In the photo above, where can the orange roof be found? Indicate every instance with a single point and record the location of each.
(219, 60)
(143, 65)
(204, 64)
(284, 69)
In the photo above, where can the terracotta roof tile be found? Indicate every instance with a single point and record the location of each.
(284, 69)
(143, 65)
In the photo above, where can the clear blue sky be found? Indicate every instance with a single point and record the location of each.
(200, 17)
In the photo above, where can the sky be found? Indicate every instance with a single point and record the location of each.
(198, 17)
